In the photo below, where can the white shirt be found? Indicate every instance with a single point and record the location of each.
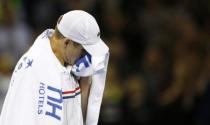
(42, 91)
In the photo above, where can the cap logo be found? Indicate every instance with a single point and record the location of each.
(98, 35)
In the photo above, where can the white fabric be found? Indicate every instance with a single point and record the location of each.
(35, 95)
(71, 100)
(98, 70)
(81, 27)
(96, 95)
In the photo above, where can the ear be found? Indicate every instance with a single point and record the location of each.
(66, 42)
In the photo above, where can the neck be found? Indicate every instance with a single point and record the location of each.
(56, 49)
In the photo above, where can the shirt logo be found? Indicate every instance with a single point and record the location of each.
(25, 62)
(53, 98)
(29, 63)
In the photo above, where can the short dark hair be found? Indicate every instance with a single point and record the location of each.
(58, 34)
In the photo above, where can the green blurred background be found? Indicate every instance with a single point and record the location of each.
(159, 70)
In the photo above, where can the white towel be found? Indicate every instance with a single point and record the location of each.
(35, 93)
(96, 94)
(98, 70)
(34, 98)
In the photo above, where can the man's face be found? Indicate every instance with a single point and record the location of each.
(73, 51)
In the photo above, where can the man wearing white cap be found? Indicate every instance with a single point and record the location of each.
(46, 82)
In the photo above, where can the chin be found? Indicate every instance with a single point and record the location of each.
(72, 63)
(67, 63)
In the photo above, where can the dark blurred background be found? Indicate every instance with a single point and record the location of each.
(159, 70)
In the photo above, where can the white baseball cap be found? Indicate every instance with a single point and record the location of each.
(81, 27)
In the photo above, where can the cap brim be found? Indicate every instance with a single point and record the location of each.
(97, 49)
